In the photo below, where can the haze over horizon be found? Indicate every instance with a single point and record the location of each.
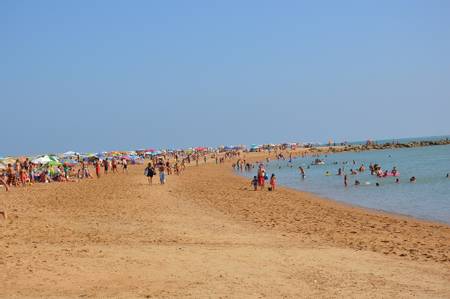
(110, 75)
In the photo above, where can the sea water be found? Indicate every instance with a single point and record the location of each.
(427, 198)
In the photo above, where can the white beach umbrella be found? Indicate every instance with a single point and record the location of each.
(70, 154)
(42, 160)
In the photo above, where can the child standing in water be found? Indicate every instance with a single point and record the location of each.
(302, 172)
(273, 182)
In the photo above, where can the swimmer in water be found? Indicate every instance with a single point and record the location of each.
(357, 183)
(377, 184)
(397, 180)
(412, 179)
(302, 172)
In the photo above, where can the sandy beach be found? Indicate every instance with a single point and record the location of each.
(206, 234)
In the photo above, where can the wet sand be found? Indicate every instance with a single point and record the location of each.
(206, 234)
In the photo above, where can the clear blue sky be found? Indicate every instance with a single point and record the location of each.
(105, 75)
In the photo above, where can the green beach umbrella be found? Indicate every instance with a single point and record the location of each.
(54, 163)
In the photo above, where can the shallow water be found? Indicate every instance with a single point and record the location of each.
(428, 198)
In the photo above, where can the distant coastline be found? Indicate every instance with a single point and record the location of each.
(377, 145)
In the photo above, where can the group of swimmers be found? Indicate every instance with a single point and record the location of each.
(375, 169)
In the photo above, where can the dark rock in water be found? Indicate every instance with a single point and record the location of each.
(388, 145)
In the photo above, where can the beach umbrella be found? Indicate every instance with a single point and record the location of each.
(69, 162)
(45, 160)
(99, 156)
(9, 160)
(70, 154)
(42, 160)
(155, 153)
(54, 163)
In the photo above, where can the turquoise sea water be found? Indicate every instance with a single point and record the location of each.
(428, 198)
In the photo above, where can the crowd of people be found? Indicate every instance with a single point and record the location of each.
(166, 167)
(24, 173)
(258, 181)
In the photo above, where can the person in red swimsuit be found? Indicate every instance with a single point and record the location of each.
(261, 175)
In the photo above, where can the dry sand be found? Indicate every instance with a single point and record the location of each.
(205, 234)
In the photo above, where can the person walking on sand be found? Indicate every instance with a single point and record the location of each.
(261, 176)
(254, 183)
(11, 175)
(124, 166)
(273, 182)
(114, 165)
(149, 173)
(97, 168)
(106, 166)
(162, 174)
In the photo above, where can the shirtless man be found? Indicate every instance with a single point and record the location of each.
(11, 173)
(114, 165)
(124, 166)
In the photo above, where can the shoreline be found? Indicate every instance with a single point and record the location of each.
(385, 229)
(350, 205)
(256, 157)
